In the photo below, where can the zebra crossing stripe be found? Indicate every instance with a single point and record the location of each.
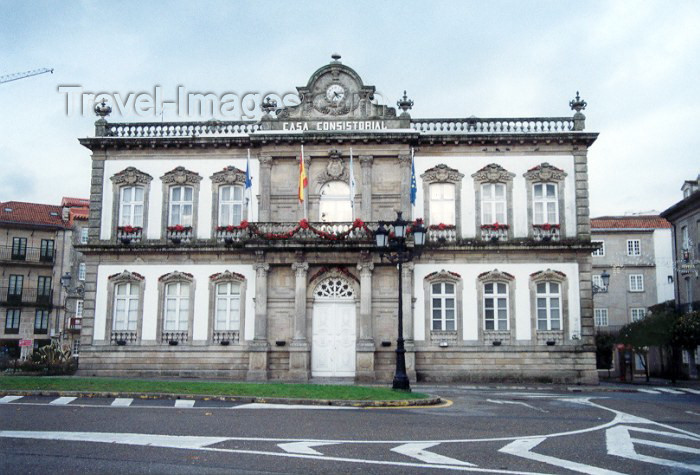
(8, 399)
(671, 391)
(184, 403)
(648, 391)
(62, 401)
(122, 402)
(691, 391)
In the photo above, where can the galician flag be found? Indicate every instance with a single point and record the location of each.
(352, 187)
(414, 188)
(303, 179)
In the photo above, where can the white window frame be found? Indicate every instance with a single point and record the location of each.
(82, 271)
(637, 314)
(636, 282)
(76, 347)
(543, 203)
(601, 251)
(79, 307)
(84, 235)
(180, 205)
(181, 310)
(122, 319)
(600, 316)
(334, 207)
(490, 203)
(549, 298)
(597, 280)
(228, 304)
(442, 210)
(128, 208)
(443, 297)
(500, 302)
(634, 247)
(227, 208)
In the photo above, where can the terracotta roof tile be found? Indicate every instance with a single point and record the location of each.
(17, 212)
(75, 202)
(630, 222)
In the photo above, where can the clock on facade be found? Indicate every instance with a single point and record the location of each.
(335, 93)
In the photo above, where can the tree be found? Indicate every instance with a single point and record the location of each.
(686, 335)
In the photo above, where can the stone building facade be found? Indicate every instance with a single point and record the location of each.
(36, 249)
(187, 276)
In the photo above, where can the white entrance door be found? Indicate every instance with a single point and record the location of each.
(333, 337)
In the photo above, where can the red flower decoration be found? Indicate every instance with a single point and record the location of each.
(304, 224)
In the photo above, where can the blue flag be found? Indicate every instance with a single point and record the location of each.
(248, 180)
(414, 188)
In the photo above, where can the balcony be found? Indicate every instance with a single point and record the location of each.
(30, 255)
(494, 232)
(546, 232)
(27, 296)
(75, 324)
(129, 234)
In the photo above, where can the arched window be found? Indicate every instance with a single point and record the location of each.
(334, 205)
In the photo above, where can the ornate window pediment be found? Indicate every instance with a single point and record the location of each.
(176, 276)
(125, 276)
(442, 174)
(545, 172)
(496, 275)
(229, 176)
(131, 176)
(443, 275)
(181, 176)
(493, 173)
(549, 274)
(226, 276)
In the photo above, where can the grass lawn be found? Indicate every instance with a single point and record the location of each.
(277, 390)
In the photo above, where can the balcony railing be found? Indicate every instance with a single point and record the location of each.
(76, 324)
(181, 129)
(28, 296)
(494, 234)
(126, 235)
(29, 254)
(546, 232)
(123, 337)
(474, 125)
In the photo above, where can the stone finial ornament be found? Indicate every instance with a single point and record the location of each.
(405, 104)
(268, 105)
(577, 104)
(102, 109)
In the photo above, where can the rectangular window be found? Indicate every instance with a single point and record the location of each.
(636, 283)
(41, 322)
(597, 280)
(495, 306)
(47, 249)
(19, 248)
(177, 306)
(601, 250)
(126, 304)
(545, 204)
(685, 238)
(442, 203)
(82, 270)
(493, 203)
(637, 314)
(76, 347)
(443, 306)
(12, 318)
(634, 247)
(131, 206)
(84, 235)
(230, 205)
(601, 317)
(228, 306)
(79, 305)
(43, 290)
(548, 306)
(181, 206)
(16, 285)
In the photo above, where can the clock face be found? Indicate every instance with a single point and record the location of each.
(335, 93)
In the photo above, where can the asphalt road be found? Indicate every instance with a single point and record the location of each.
(483, 431)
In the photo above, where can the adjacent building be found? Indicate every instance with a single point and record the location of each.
(204, 262)
(36, 250)
(636, 252)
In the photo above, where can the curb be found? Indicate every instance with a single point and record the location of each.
(430, 401)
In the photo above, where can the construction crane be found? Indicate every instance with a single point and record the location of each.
(26, 74)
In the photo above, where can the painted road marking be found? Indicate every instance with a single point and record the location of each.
(9, 399)
(620, 443)
(691, 391)
(522, 448)
(62, 401)
(303, 447)
(648, 391)
(417, 451)
(671, 391)
(257, 405)
(692, 413)
(497, 401)
(122, 402)
(184, 403)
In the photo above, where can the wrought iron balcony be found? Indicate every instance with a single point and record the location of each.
(76, 324)
(32, 255)
(27, 296)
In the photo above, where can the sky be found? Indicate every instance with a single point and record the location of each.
(636, 63)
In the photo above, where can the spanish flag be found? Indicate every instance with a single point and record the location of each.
(303, 179)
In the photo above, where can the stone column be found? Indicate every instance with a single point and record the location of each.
(366, 207)
(364, 356)
(405, 171)
(259, 347)
(265, 188)
(407, 296)
(299, 356)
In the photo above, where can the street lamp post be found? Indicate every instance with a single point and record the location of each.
(605, 281)
(396, 250)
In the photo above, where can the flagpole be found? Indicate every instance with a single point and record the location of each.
(352, 187)
(248, 188)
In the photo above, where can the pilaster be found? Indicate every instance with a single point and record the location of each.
(405, 171)
(407, 296)
(259, 348)
(299, 355)
(366, 208)
(364, 355)
(265, 187)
